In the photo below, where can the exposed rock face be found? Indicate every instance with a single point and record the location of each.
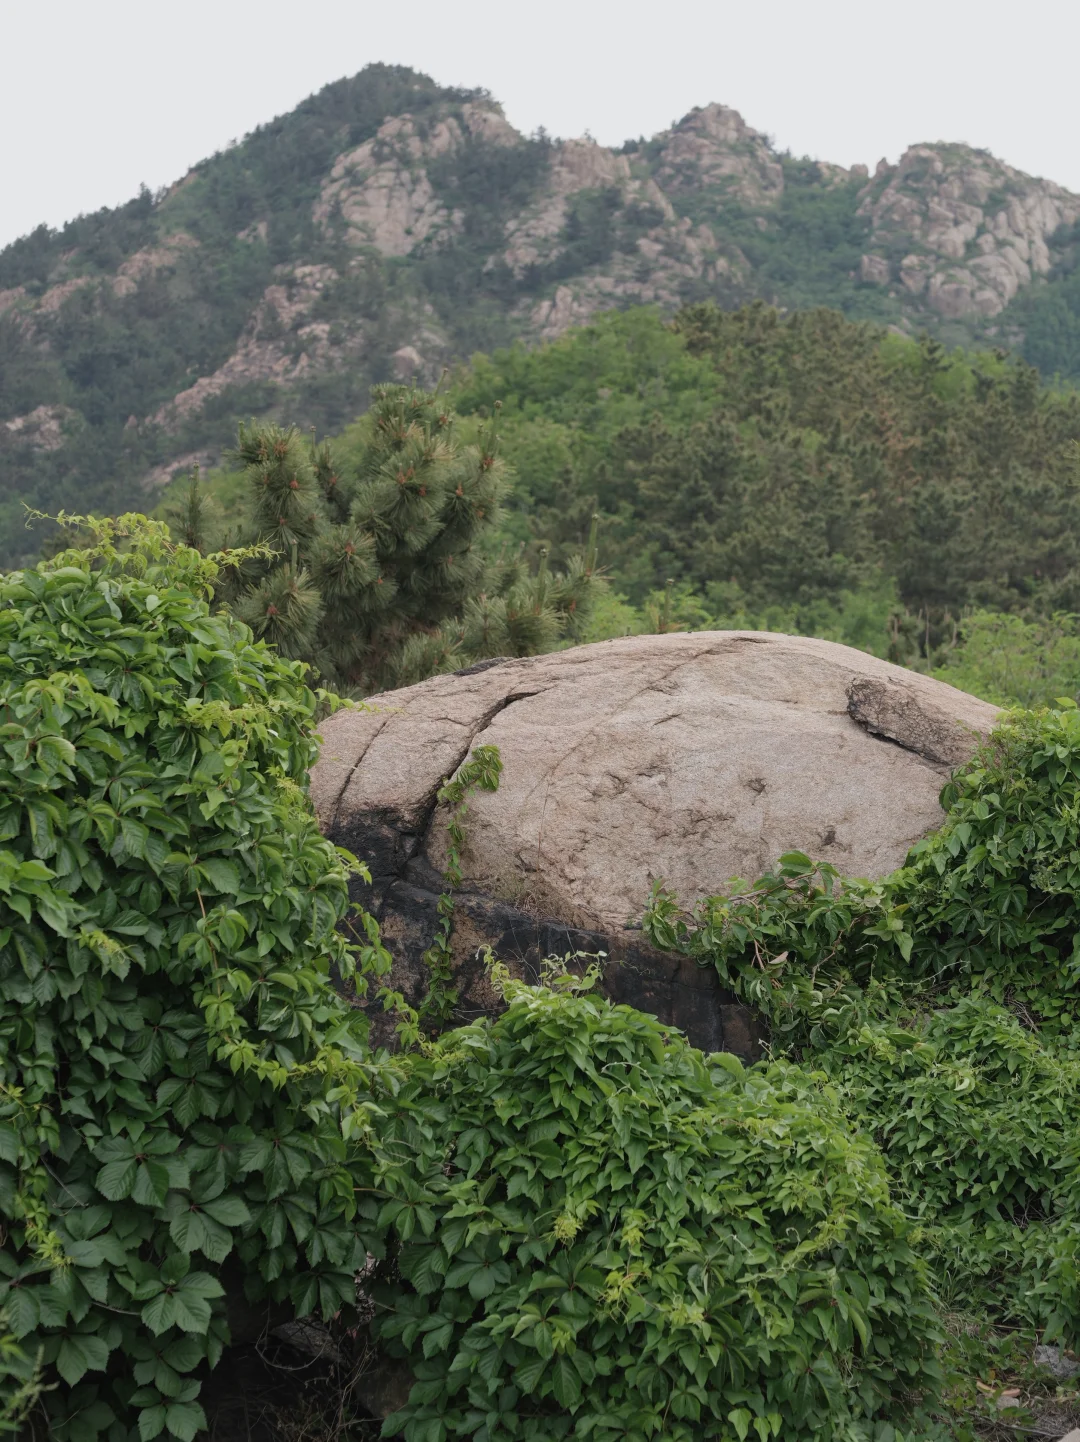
(446, 225)
(184, 464)
(537, 235)
(42, 428)
(686, 758)
(277, 344)
(56, 295)
(715, 146)
(154, 258)
(11, 298)
(284, 341)
(979, 230)
(381, 192)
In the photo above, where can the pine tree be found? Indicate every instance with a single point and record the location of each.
(190, 519)
(377, 573)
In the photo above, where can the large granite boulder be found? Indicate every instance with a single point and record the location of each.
(687, 758)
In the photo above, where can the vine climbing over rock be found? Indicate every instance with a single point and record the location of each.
(941, 1003)
(481, 772)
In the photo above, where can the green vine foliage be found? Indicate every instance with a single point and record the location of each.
(617, 1238)
(941, 1004)
(184, 1101)
(20, 1384)
(480, 772)
(583, 1228)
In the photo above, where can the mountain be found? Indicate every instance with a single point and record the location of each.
(389, 227)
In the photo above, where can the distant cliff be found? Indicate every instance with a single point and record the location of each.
(388, 227)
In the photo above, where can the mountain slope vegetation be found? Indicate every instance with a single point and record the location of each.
(802, 472)
(389, 226)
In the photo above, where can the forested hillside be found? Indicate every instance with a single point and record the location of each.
(733, 469)
(389, 226)
(801, 472)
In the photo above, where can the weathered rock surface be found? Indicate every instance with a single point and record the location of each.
(279, 343)
(42, 428)
(714, 145)
(687, 759)
(978, 229)
(1058, 1363)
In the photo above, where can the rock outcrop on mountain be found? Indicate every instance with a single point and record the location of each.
(682, 759)
(388, 227)
(715, 146)
(976, 231)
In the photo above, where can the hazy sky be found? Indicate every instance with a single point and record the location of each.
(96, 98)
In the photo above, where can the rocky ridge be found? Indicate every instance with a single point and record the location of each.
(441, 230)
(976, 231)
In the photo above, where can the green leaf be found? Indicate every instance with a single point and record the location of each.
(80, 1353)
(20, 1310)
(438, 1339)
(565, 1383)
(230, 1211)
(529, 1373)
(740, 1419)
(423, 1267)
(188, 1230)
(185, 1354)
(222, 875)
(482, 1283)
(162, 1312)
(151, 1423)
(152, 1182)
(184, 1420)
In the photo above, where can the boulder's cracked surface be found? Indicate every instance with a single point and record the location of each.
(687, 759)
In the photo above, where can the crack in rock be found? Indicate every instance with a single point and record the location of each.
(478, 666)
(891, 713)
(352, 772)
(429, 803)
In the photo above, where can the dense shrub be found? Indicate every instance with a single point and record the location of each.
(182, 1095)
(582, 1226)
(616, 1238)
(1014, 661)
(942, 1003)
(977, 1115)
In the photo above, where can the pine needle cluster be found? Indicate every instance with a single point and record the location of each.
(377, 573)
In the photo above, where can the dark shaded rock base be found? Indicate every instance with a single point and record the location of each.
(663, 984)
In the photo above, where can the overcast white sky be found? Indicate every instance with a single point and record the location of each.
(96, 98)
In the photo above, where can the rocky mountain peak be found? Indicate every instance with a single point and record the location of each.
(714, 146)
(389, 227)
(977, 230)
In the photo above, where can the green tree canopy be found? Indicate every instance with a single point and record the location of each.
(776, 465)
(378, 567)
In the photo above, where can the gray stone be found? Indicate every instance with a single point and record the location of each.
(1055, 1361)
(383, 1386)
(686, 759)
